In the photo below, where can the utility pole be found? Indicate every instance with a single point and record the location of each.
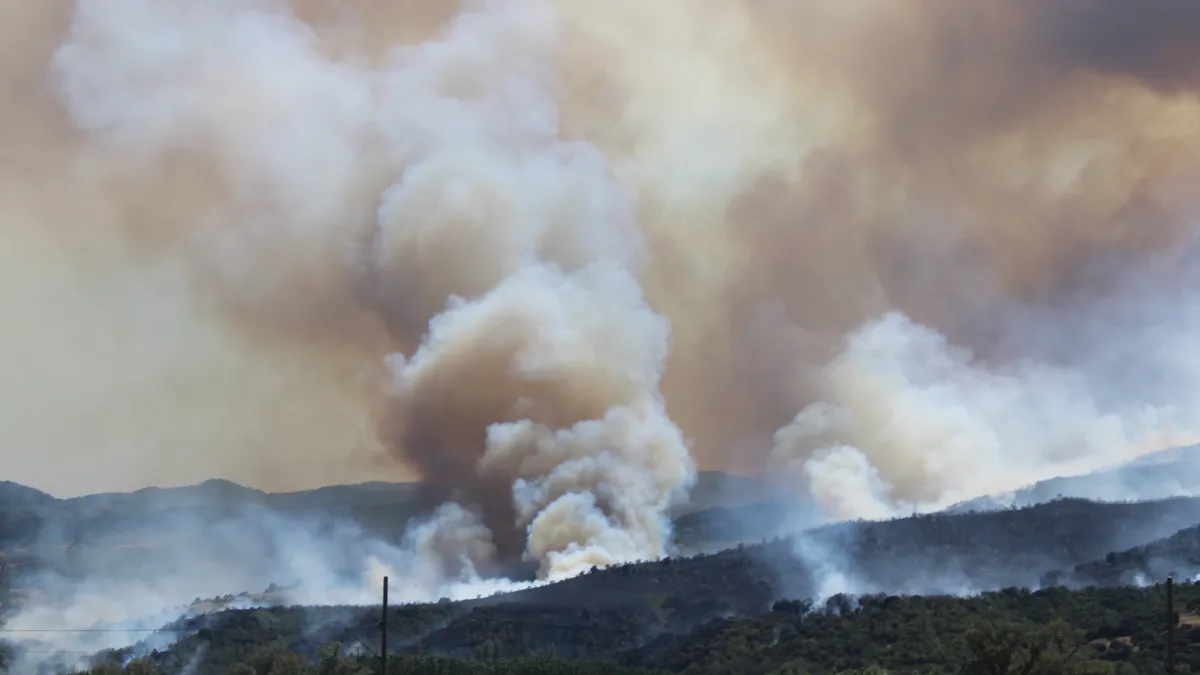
(1170, 626)
(383, 630)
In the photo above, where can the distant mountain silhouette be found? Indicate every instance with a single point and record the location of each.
(1160, 475)
(15, 495)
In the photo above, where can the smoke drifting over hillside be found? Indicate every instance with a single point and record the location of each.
(551, 254)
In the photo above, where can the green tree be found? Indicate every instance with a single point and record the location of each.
(1008, 649)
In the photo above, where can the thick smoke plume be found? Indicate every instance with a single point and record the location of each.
(550, 255)
(138, 569)
(426, 205)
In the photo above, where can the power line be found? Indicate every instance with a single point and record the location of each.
(360, 642)
(58, 653)
(1172, 620)
(95, 630)
(383, 631)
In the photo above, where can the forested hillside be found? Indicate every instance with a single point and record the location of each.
(1010, 632)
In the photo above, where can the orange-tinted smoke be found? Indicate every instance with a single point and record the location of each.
(800, 167)
(991, 153)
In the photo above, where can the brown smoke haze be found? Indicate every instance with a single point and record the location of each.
(556, 253)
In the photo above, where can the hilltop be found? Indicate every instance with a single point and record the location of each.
(1159, 475)
(122, 537)
(653, 614)
(715, 614)
(194, 531)
(382, 508)
(1177, 555)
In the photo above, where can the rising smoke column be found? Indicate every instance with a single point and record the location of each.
(537, 387)
(507, 257)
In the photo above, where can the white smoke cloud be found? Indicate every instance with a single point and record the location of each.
(597, 490)
(130, 589)
(913, 423)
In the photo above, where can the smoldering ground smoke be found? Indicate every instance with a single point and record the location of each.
(532, 250)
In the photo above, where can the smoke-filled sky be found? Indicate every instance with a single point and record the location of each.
(557, 252)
